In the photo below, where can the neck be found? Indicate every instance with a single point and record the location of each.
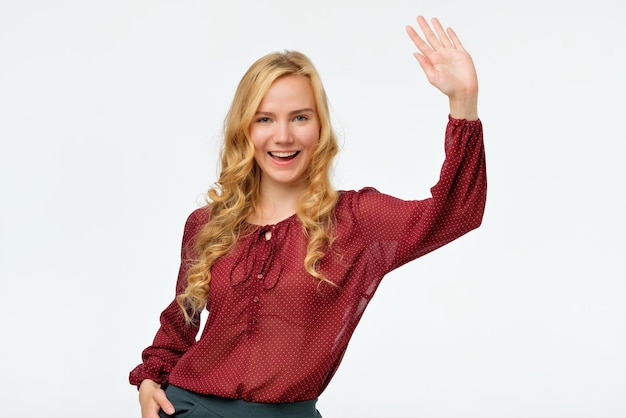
(276, 204)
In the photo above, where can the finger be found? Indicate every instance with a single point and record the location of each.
(455, 39)
(432, 39)
(150, 411)
(443, 37)
(418, 41)
(160, 398)
(150, 414)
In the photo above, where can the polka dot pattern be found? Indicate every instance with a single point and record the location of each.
(275, 334)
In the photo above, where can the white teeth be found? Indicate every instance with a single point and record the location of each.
(283, 154)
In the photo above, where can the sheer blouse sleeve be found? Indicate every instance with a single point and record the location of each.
(174, 337)
(402, 230)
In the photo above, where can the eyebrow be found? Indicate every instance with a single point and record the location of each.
(293, 112)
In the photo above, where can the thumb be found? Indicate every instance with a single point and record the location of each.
(427, 67)
(161, 399)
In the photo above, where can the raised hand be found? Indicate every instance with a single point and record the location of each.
(447, 66)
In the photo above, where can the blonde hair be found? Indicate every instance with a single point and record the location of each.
(235, 195)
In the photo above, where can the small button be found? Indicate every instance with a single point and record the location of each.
(259, 276)
(256, 299)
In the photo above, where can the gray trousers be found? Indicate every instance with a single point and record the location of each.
(194, 405)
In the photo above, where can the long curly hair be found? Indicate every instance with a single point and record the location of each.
(233, 198)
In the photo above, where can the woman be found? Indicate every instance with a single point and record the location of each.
(285, 264)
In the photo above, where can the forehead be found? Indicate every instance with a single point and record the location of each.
(287, 91)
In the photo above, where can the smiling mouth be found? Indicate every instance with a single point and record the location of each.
(283, 155)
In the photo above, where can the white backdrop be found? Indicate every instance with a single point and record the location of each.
(110, 117)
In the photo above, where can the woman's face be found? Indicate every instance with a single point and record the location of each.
(285, 132)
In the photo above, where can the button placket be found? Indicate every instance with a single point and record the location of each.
(255, 302)
(262, 251)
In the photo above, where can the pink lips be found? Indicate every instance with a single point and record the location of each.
(283, 157)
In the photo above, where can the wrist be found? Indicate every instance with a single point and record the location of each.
(464, 107)
(148, 384)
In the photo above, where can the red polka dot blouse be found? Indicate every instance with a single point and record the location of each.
(274, 334)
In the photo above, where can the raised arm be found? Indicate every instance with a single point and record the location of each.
(447, 66)
(396, 231)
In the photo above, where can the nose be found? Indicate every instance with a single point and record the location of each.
(283, 134)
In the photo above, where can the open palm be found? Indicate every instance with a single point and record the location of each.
(445, 62)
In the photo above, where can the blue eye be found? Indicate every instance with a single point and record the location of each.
(264, 119)
(301, 118)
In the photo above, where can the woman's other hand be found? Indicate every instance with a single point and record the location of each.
(152, 399)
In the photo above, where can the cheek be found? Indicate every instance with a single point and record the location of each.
(256, 139)
(311, 137)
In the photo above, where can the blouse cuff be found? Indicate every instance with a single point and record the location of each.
(458, 122)
(142, 372)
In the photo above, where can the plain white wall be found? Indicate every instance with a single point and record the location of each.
(110, 117)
